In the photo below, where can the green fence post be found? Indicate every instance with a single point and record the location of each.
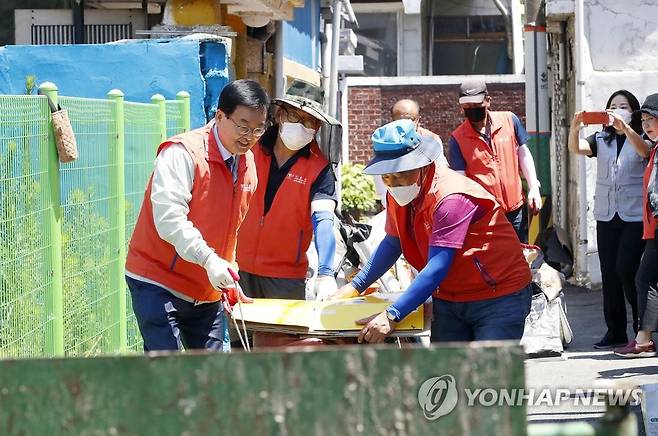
(120, 334)
(184, 98)
(158, 99)
(54, 301)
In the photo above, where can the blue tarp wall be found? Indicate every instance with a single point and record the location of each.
(140, 68)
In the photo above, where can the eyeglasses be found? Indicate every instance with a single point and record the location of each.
(244, 130)
(294, 118)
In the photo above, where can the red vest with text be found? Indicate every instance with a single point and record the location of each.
(489, 265)
(275, 244)
(648, 220)
(496, 168)
(217, 209)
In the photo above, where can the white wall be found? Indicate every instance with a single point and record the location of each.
(622, 35)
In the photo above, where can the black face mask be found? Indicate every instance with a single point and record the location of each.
(475, 114)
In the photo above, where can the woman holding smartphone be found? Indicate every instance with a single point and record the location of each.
(621, 158)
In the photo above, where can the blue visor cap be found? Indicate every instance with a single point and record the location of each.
(398, 147)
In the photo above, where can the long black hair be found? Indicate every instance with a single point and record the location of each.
(636, 119)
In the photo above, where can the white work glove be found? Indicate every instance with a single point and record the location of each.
(324, 287)
(534, 199)
(218, 272)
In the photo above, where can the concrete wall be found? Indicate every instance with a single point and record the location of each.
(139, 68)
(367, 103)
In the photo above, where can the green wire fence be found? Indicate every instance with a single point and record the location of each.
(64, 228)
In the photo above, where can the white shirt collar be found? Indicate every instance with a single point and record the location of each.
(222, 150)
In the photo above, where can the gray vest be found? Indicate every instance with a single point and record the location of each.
(618, 181)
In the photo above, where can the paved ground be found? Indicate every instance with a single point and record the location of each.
(582, 367)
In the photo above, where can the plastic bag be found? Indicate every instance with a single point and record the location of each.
(547, 331)
(542, 334)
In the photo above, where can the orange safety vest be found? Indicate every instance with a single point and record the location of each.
(217, 209)
(489, 265)
(496, 168)
(275, 244)
(648, 220)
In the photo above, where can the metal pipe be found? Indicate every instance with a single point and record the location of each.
(326, 57)
(508, 27)
(350, 13)
(335, 38)
(430, 58)
(279, 78)
(562, 53)
(579, 40)
(78, 7)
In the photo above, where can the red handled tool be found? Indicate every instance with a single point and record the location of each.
(231, 300)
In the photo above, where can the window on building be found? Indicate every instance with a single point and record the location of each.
(377, 42)
(469, 45)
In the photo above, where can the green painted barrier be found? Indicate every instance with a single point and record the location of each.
(335, 391)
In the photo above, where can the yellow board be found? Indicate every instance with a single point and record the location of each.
(342, 314)
(339, 315)
(277, 312)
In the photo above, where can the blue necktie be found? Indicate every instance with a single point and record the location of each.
(229, 164)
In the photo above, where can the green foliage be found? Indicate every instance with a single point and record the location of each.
(357, 189)
(30, 84)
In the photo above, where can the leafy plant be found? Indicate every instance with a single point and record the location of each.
(30, 84)
(357, 189)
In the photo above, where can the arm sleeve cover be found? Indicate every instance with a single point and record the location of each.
(429, 278)
(325, 241)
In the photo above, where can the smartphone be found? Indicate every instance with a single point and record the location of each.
(596, 118)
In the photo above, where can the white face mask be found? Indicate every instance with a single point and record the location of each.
(624, 114)
(295, 136)
(404, 195)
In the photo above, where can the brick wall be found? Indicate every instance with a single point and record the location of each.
(369, 107)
